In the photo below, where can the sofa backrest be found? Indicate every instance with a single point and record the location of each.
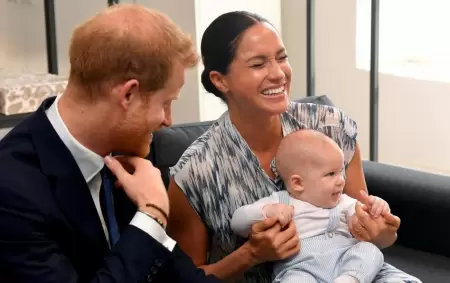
(169, 143)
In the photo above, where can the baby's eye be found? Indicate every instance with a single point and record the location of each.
(331, 174)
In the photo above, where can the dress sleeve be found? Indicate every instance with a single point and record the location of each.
(191, 180)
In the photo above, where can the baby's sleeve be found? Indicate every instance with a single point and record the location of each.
(348, 206)
(245, 216)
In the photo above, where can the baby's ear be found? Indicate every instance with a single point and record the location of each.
(296, 183)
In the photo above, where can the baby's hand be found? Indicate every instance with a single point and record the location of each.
(282, 212)
(375, 206)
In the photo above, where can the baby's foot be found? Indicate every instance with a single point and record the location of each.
(346, 279)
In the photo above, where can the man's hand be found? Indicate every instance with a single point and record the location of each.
(282, 212)
(141, 182)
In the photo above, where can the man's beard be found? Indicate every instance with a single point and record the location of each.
(133, 144)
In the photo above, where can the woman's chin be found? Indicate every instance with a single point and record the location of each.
(276, 108)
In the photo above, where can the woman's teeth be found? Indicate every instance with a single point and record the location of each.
(273, 91)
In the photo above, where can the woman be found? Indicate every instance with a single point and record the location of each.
(232, 164)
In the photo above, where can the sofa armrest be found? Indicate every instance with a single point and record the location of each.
(421, 200)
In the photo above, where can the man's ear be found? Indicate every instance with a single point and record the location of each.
(219, 81)
(296, 183)
(127, 93)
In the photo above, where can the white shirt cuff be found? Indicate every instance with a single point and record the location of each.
(151, 227)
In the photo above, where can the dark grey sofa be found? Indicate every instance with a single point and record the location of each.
(421, 200)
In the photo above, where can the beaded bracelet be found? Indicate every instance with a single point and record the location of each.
(157, 208)
(159, 221)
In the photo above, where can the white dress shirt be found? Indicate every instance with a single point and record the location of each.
(90, 165)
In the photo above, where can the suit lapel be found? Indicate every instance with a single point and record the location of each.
(70, 188)
(76, 202)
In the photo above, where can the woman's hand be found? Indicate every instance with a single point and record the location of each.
(269, 242)
(381, 231)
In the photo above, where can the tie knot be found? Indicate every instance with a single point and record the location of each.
(107, 174)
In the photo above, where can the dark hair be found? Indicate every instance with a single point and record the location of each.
(219, 43)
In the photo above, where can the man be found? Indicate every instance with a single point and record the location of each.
(61, 219)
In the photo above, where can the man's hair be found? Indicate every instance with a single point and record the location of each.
(128, 41)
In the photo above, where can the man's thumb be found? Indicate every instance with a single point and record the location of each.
(116, 168)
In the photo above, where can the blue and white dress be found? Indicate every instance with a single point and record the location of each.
(219, 173)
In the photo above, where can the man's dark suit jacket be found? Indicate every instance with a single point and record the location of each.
(49, 227)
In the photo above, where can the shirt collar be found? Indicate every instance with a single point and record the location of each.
(88, 161)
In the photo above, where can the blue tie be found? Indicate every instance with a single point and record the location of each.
(113, 228)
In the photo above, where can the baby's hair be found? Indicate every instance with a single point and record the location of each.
(300, 150)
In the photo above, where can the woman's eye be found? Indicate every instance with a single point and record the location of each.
(256, 66)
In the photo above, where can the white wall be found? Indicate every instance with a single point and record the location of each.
(22, 45)
(293, 14)
(412, 128)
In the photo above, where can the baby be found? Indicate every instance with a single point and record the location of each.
(312, 168)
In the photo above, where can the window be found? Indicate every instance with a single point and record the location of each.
(413, 38)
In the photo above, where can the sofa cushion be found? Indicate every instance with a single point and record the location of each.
(428, 267)
(169, 143)
(420, 199)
